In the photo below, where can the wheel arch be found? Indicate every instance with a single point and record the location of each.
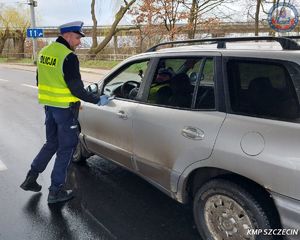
(202, 175)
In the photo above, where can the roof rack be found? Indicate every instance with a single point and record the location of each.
(287, 43)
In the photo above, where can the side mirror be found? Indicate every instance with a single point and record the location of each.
(141, 73)
(93, 88)
(193, 77)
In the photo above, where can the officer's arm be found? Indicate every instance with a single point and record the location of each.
(73, 80)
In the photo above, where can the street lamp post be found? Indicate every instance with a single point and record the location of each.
(33, 4)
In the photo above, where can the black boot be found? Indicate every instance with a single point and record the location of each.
(30, 183)
(60, 196)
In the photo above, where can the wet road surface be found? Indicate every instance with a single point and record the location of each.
(128, 206)
(110, 203)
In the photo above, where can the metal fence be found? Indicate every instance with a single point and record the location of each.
(15, 55)
(108, 57)
(81, 56)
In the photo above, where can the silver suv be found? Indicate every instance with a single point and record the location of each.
(213, 124)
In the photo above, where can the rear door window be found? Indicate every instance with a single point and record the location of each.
(263, 88)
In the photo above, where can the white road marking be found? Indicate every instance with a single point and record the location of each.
(2, 166)
(27, 85)
(3, 80)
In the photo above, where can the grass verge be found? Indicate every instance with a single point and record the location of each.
(100, 64)
(16, 60)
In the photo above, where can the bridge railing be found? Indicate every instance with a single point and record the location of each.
(132, 30)
(124, 27)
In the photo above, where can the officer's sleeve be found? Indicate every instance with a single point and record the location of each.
(73, 80)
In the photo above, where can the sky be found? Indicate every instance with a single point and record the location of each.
(57, 12)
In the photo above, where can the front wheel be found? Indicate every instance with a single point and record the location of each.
(80, 154)
(224, 210)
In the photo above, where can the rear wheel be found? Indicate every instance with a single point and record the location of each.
(224, 210)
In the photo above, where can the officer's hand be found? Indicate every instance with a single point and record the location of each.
(103, 100)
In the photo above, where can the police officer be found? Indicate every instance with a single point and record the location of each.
(60, 89)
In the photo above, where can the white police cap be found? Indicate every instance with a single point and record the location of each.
(72, 27)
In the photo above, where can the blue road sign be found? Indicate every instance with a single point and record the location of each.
(35, 32)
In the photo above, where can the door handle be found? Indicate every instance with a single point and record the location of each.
(121, 114)
(192, 133)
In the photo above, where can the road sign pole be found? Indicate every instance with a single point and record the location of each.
(32, 4)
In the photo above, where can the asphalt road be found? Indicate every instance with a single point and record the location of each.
(110, 203)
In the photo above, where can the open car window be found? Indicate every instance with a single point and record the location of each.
(127, 82)
(178, 80)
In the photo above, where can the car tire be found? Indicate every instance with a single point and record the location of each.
(80, 154)
(224, 210)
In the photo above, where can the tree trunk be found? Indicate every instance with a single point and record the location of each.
(192, 20)
(21, 48)
(94, 31)
(19, 40)
(257, 17)
(3, 38)
(112, 31)
(140, 38)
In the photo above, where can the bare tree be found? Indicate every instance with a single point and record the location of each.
(171, 12)
(160, 16)
(118, 17)
(178, 16)
(145, 18)
(197, 10)
(260, 8)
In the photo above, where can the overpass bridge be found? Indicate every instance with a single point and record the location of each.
(221, 29)
(216, 30)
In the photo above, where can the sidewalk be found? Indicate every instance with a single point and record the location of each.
(88, 75)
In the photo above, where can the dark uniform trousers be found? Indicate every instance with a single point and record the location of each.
(61, 138)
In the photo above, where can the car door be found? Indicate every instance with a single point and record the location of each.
(107, 129)
(169, 137)
(262, 123)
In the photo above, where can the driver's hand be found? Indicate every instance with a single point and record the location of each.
(103, 100)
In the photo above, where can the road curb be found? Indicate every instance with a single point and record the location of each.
(31, 67)
(95, 73)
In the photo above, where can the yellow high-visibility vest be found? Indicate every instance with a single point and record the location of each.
(153, 91)
(52, 88)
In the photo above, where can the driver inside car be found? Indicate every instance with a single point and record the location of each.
(160, 89)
